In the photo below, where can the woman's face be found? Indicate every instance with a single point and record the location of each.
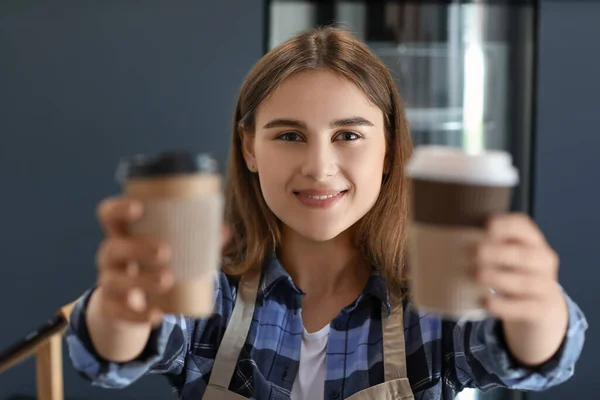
(319, 150)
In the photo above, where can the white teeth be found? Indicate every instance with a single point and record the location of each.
(321, 197)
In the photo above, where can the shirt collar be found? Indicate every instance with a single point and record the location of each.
(376, 287)
(274, 274)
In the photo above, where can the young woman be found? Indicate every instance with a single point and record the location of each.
(314, 268)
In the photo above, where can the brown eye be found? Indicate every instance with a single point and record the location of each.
(289, 137)
(348, 136)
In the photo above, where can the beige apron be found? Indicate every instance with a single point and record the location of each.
(395, 387)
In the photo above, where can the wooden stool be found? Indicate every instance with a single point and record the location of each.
(48, 352)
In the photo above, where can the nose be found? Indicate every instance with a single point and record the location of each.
(320, 161)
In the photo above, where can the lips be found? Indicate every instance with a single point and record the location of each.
(319, 193)
(319, 198)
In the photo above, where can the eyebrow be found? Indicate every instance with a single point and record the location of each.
(293, 123)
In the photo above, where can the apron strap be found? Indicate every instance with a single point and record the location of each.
(236, 332)
(394, 357)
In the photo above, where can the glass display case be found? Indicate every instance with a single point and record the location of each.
(464, 68)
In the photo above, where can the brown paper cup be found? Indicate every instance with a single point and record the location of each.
(446, 225)
(447, 221)
(186, 211)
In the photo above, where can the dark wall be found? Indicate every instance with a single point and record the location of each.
(81, 84)
(84, 82)
(567, 167)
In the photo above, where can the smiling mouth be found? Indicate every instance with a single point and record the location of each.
(320, 197)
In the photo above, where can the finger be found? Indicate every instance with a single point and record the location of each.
(116, 252)
(156, 319)
(535, 260)
(514, 227)
(510, 283)
(149, 280)
(131, 307)
(116, 213)
(511, 309)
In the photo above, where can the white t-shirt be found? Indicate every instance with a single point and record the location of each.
(310, 381)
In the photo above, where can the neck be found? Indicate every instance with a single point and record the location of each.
(324, 268)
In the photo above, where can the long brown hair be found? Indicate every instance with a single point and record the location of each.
(255, 229)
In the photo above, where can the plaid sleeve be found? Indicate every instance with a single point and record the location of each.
(480, 356)
(164, 354)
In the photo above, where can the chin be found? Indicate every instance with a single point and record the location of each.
(320, 236)
(317, 232)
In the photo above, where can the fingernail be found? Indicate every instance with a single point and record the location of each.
(156, 318)
(132, 268)
(165, 280)
(136, 300)
(163, 253)
(135, 209)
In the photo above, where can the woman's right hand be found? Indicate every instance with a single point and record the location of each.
(122, 284)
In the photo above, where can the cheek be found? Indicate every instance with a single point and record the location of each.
(273, 172)
(271, 180)
(366, 176)
(268, 154)
(272, 183)
(365, 166)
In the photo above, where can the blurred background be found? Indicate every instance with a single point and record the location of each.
(84, 82)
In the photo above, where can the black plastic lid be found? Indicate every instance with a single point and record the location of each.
(165, 164)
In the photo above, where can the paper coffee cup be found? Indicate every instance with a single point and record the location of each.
(453, 194)
(183, 205)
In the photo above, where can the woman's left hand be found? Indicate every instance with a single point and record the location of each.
(516, 262)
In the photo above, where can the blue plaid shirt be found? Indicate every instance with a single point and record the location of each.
(443, 357)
